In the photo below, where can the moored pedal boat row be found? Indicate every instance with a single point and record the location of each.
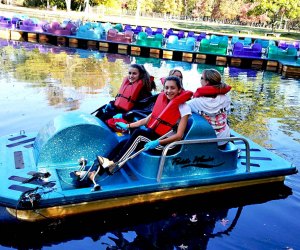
(179, 45)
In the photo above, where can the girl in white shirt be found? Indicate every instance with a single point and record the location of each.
(213, 108)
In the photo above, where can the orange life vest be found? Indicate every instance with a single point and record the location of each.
(128, 94)
(165, 113)
(211, 91)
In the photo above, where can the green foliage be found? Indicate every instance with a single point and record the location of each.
(277, 9)
(34, 3)
(230, 9)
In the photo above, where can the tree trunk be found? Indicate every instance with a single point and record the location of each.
(68, 4)
(138, 9)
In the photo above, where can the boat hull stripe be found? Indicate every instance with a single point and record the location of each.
(20, 188)
(19, 143)
(17, 137)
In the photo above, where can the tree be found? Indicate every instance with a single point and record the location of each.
(172, 7)
(230, 9)
(245, 18)
(277, 10)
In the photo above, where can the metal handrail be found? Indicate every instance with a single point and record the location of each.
(197, 141)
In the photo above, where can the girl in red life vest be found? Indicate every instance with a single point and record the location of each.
(135, 87)
(170, 104)
(213, 105)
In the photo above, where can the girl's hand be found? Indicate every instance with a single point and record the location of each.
(151, 144)
(122, 125)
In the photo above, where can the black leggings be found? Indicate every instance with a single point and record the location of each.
(108, 111)
(136, 142)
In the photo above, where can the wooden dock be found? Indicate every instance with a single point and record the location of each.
(288, 70)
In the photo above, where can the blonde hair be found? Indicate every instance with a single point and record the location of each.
(173, 71)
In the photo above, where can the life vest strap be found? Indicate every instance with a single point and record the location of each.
(127, 98)
(160, 121)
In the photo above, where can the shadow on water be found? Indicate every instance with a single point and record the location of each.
(190, 222)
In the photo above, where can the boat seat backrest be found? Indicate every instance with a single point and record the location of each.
(118, 27)
(292, 51)
(15, 20)
(159, 37)
(238, 46)
(142, 35)
(297, 45)
(257, 47)
(202, 35)
(234, 39)
(71, 27)
(204, 43)
(181, 34)
(127, 27)
(247, 41)
(112, 33)
(282, 44)
(223, 44)
(139, 28)
(190, 41)
(158, 31)
(107, 26)
(191, 34)
(149, 31)
(28, 22)
(128, 34)
(273, 49)
(55, 25)
(173, 39)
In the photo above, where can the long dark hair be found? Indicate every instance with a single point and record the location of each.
(148, 80)
(176, 79)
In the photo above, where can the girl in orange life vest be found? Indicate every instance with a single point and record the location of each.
(212, 103)
(169, 109)
(135, 87)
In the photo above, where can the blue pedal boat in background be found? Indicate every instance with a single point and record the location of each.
(35, 168)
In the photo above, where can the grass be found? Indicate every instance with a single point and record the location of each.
(198, 26)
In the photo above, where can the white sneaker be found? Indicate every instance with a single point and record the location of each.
(105, 162)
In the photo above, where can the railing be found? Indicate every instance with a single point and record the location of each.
(199, 141)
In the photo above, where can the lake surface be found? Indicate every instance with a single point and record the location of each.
(39, 82)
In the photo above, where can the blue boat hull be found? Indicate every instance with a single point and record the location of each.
(36, 182)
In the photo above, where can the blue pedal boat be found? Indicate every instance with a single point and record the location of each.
(35, 168)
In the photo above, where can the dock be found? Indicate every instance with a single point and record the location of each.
(286, 69)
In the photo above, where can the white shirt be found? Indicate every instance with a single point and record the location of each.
(184, 110)
(214, 110)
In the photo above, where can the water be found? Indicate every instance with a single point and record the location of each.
(38, 83)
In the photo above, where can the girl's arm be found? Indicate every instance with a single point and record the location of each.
(179, 134)
(139, 123)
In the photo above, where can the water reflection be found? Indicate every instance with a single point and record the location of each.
(180, 224)
(258, 97)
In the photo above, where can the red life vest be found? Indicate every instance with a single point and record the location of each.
(211, 91)
(128, 94)
(165, 113)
